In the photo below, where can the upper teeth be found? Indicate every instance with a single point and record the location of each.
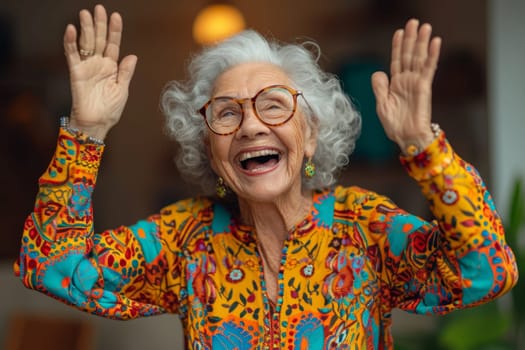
(261, 153)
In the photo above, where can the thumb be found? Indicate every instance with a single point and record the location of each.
(126, 69)
(380, 87)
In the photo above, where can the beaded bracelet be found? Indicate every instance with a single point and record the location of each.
(64, 123)
(413, 150)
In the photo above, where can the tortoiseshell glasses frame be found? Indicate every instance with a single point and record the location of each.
(273, 105)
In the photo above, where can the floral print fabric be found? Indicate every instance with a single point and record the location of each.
(353, 259)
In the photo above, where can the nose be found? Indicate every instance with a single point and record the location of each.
(251, 125)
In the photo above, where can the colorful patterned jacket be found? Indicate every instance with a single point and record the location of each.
(353, 259)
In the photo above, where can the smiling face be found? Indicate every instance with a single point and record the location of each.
(258, 162)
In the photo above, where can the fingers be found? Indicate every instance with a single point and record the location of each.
(413, 49)
(409, 41)
(70, 45)
(421, 47)
(101, 22)
(114, 37)
(380, 85)
(433, 57)
(94, 38)
(86, 42)
(126, 70)
(397, 39)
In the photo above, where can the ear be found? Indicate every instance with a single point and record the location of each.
(311, 134)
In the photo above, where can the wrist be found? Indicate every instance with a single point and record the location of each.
(93, 135)
(415, 146)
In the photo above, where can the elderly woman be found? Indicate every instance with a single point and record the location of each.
(278, 257)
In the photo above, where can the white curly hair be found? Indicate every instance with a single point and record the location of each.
(338, 122)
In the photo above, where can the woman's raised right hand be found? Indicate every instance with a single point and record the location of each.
(99, 83)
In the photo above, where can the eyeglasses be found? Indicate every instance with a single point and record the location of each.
(274, 105)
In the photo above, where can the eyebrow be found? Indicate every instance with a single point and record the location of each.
(249, 98)
(242, 98)
(226, 96)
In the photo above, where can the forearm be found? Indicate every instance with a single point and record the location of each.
(62, 256)
(472, 253)
(63, 204)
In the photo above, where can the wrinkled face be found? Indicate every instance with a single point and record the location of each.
(259, 162)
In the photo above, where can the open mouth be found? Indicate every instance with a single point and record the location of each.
(259, 160)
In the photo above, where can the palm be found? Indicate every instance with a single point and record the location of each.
(96, 94)
(99, 83)
(404, 101)
(408, 96)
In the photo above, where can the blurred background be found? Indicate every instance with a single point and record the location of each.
(478, 95)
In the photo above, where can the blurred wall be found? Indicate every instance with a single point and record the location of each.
(506, 95)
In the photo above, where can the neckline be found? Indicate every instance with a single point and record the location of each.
(247, 233)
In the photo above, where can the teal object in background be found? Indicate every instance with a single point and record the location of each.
(373, 146)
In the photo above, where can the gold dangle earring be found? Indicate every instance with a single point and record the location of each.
(220, 188)
(309, 168)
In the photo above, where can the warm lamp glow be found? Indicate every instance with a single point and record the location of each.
(217, 22)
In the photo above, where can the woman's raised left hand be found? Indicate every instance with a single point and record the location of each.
(404, 102)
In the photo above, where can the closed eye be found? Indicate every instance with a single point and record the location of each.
(228, 113)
